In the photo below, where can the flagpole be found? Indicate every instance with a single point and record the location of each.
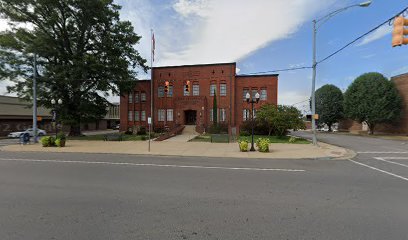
(151, 85)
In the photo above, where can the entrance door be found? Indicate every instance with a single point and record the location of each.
(190, 117)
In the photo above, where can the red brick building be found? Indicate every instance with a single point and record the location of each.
(195, 107)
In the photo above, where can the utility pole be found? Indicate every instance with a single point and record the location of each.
(35, 99)
(313, 85)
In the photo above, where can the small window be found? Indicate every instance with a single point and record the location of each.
(245, 114)
(160, 115)
(263, 96)
(143, 97)
(143, 117)
(223, 115)
(137, 117)
(170, 115)
(130, 98)
(254, 114)
(223, 89)
(186, 93)
(213, 89)
(196, 89)
(253, 91)
(170, 93)
(136, 97)
(211, 115)
(130, 113)
(244, 92)
(160, 91)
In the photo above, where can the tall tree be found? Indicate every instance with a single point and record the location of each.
(84, 51)
(329, 104)
(215, 117)
(373, 99)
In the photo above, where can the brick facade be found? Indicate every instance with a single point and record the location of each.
(196, 106)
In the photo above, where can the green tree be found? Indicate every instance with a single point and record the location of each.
(373, 99)
(84, 52)
(279, 119)
(329, 104)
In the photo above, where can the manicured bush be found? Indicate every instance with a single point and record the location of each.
(263, 144)
(143, 138)
(243, 145)
(47, 141)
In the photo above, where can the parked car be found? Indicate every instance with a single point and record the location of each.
(117, 126)
(30, 131)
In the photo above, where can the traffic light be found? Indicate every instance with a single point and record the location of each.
(166, 87)
(187, 86)
(399, 31)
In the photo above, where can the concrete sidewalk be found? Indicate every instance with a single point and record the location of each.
(277, 150)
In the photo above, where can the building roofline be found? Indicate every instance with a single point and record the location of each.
(199, 65)
(262, 75)
(400, 75)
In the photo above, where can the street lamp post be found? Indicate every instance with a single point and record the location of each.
(252, 101)
(54, 116)
(315, 27)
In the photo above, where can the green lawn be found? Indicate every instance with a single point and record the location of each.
(100, 137)
(202, 138)
(272, 139)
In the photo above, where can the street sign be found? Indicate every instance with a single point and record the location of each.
(149, 120)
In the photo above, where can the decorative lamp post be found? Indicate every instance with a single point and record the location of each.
(54, 113)
(315, 28)
(252, 101)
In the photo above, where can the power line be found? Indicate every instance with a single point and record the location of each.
(389, 21)
(278, 70)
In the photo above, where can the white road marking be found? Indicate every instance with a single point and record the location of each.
(396, 163)
(377, 169)
(383, 152)
(401, 158)
(153, 165)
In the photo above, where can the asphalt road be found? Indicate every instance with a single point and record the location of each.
(102, 196)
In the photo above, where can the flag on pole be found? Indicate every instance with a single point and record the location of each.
(153, 46)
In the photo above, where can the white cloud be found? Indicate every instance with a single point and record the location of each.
(209, 31)
(377, 34)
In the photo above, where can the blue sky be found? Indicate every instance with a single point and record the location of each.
(262, 35)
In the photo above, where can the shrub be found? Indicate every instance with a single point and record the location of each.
(47, 141)
(243, 145)
(61, 136)
(218, 128)
(143, 138)
(58, 142)
(244, 133)
(292, 140)
(263, 144)
(142, 131)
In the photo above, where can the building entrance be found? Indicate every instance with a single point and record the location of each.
(190, 117)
